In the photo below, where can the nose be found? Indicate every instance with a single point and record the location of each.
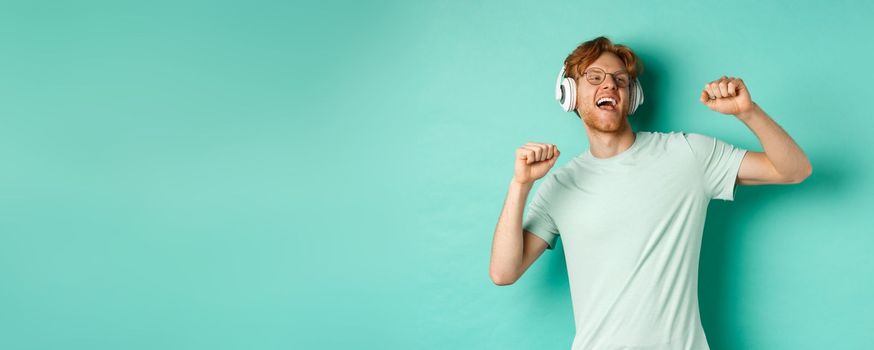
(609, 82)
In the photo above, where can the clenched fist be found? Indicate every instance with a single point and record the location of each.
(533, 161)
(727, 95)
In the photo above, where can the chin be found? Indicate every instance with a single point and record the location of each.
(604, 123)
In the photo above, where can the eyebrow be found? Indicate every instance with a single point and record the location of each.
(604, 69)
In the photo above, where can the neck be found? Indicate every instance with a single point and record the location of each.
(608, 144)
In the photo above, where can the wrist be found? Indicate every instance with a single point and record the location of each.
(515, 182)
(752, 112)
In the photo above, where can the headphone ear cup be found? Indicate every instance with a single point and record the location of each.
(636, 96)
(572, 92)
(639, 95)
(569, 94)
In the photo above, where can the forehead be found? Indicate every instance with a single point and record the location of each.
(608, 61)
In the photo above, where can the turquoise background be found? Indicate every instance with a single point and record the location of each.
(328, 175)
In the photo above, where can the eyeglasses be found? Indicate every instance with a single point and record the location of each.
(596, 76)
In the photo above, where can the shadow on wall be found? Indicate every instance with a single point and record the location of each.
(727, 224)
(644, 118)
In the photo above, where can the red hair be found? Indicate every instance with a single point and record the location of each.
(589, 51)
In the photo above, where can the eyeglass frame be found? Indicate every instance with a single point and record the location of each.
(627, 83)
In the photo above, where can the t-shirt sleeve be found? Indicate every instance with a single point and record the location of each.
(719, 162)
(537, 219)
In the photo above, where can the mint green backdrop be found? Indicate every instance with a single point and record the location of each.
(328, 175)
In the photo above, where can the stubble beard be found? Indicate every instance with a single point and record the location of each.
(604, 125)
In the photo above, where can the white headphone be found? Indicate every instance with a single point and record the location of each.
(566, 92)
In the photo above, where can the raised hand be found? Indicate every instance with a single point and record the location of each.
(727, 95)
(533, 161)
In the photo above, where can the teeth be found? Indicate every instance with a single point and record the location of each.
(608, 99)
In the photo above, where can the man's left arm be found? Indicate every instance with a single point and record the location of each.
(783, 161)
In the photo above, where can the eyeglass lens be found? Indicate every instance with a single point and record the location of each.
(596, 76)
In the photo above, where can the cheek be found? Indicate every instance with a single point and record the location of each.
(585, 97)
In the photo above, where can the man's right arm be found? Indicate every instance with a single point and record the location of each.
(513, 250)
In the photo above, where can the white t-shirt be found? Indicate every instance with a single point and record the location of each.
(631, 226)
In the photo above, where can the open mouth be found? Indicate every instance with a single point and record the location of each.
(606, 104)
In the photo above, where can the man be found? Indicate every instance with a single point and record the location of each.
(630, 210)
